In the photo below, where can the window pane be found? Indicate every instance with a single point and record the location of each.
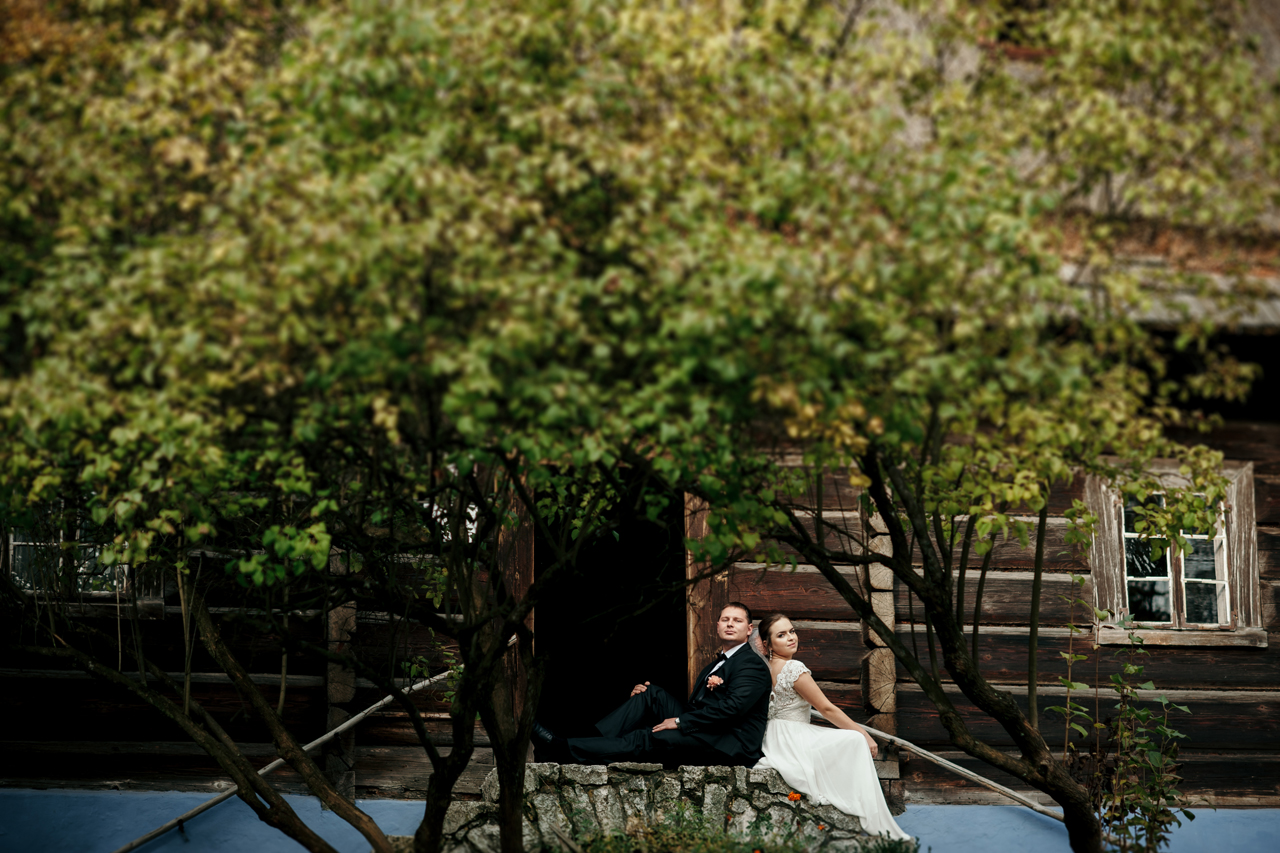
(1198, 561)
(35, 566)
(1130, 516)
(1138, 562)
(1149, 601)
(1206, 603)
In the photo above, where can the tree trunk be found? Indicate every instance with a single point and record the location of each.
(429, 836)
(286, 745)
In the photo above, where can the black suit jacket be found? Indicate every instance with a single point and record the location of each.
(732, 717)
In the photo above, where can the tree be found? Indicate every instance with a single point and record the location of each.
(428, 262)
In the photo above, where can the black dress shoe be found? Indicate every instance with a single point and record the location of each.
(549, 746)
(543, 736)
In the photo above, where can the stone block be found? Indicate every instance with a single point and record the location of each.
(489, 787)
(714, 800)
(743, 817)
(781, 821)
(539, 777)
(550, 817)
(579, 811)
(460, 814)
(530, 836)
(484, 838)
(635, 767)
(592, 774)
(740, 779)
(720, 773)
(769, 780)
(666, 792)
(635, 806)
(693, 779)
(608, 809)
(831, 817)
(763, 799)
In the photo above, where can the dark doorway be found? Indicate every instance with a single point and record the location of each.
(617, 621)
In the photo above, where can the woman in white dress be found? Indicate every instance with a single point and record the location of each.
(831, 766)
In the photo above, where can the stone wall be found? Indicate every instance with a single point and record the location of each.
(585, 800)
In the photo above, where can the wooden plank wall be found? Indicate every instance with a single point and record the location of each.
(849, 662)
(65, 729)
(1232, 751)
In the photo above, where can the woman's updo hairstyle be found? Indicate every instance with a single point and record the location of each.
(766, 626)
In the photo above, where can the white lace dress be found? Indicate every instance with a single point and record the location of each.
(829, 765)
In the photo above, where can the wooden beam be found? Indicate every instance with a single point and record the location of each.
(705, 598)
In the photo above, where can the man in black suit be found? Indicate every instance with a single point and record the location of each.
(722, 723)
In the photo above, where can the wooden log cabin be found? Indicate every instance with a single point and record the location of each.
(66, 730)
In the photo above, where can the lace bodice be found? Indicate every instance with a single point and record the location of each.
(784, 702)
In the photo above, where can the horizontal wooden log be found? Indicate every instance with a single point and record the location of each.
(1002, 654)
(801, 594)
(1269, 552)
(391, 772)
(1258, 442)
(387, 644)
(1267, 497)
(1223, 720)
(1007, 553)
(256, 650)
(58, 709)
(393, 728)
(833, 651)
(839, 494)
(381, 771)
(1210, 778)
(1006, 599)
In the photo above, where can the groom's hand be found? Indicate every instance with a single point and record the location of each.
(639, 688)
(666, 725)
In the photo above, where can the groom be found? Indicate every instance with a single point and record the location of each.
(722, 723)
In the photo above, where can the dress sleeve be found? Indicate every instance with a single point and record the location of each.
(792, 671)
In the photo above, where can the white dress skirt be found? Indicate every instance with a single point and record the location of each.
(829, 765)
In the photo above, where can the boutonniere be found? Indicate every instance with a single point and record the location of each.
(714, 681)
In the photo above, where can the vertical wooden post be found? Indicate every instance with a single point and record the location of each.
(515, 547)
(340, 681)
(705, 599)
(879, 669)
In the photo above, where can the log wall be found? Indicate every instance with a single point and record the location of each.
(1232, 751)
(66, 729)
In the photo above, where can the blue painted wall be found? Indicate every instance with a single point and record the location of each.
(101, 821)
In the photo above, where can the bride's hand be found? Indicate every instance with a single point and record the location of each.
(875, 750)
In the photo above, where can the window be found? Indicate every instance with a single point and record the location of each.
(56, 554)
(1208, 594)
(1186, 589)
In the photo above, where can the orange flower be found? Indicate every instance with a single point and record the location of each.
(822, 826)
(794, 796)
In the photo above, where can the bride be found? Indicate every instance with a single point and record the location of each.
(830, 766)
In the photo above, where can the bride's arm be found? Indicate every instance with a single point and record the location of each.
(810, 692)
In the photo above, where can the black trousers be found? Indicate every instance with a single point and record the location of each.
(627, 735)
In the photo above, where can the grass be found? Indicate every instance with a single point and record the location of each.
(686, 831)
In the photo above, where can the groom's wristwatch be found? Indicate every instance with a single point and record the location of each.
(677, 719)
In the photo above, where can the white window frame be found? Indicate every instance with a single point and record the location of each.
(1237, 533)
(1175, 573)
